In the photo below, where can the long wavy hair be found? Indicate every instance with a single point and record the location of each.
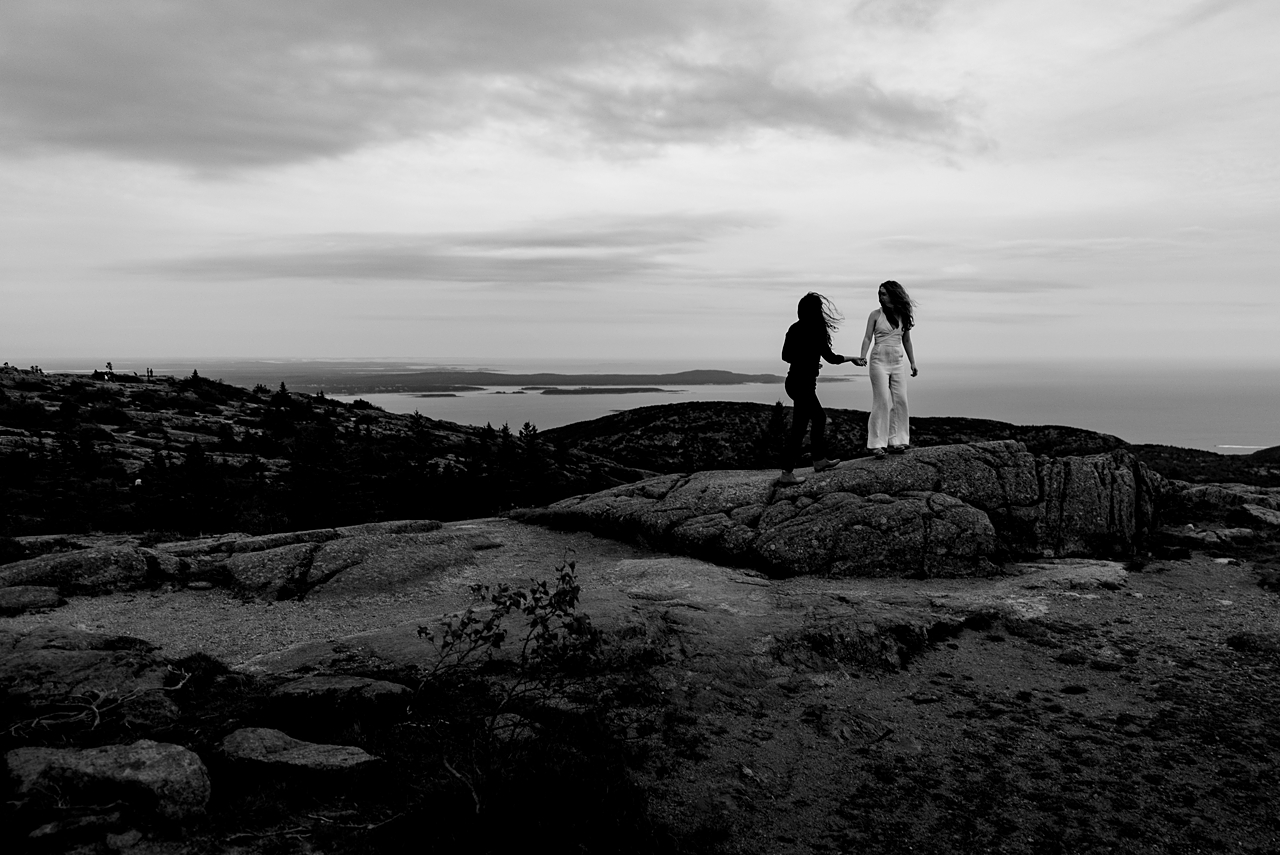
(900, 306)
(818, 312)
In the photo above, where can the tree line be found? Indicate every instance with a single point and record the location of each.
(298, 462)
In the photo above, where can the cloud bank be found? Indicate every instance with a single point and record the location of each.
(243, 83)
(568, 253)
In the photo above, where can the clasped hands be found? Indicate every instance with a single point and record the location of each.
(861, 361)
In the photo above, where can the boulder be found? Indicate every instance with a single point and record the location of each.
(1260, 514)
(848, 535)
(273, 574)
(1071, 574)
(166, 567)
(943, 510)
(84, 571)
(1220, 498)
(1208, 536)
(263, 750)
(1091, 505)
(40, 544)
(284, 538)
(117, 675)
(153, 778)
(43, 544)
(220, 544)
(391, 527)
(322, 706)
(17, 599)
(272, 566)
(329, 694)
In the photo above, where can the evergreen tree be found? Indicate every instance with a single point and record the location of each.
(529, 440)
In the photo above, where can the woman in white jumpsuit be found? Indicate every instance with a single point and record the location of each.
(889, 327)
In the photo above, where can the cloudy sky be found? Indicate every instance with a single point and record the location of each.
(637, 178)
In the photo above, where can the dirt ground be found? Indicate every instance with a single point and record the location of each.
(1139, 720)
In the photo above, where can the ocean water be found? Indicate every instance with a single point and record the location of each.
(497, 406)
(1229, 411)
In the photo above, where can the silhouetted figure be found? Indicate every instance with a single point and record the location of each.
(808, 342)
(889, 327)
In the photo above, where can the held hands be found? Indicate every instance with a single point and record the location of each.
(861, 362)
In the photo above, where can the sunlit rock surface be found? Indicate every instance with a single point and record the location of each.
(941, 511)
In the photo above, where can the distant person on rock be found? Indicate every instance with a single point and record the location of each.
(808, 342)
(889, 327)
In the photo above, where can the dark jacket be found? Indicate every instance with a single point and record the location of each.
(806, 345)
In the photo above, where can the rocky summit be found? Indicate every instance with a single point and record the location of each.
(951, 510)
(703, 662)
(1065, 705)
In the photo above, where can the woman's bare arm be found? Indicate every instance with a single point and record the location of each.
(911, 354)
(869, 337)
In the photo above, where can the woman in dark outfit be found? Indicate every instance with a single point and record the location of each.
(808, 342)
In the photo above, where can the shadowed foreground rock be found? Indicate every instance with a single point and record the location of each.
(43, 668)
(319, 562)
(265, 751)
(157, 778)
(17, 599)
(940, 511)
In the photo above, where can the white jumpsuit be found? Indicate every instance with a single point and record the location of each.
(888, 423)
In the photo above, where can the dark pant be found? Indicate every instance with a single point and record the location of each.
(804, 393)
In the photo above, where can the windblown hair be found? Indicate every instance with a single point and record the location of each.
(900, 303)
(817, 311)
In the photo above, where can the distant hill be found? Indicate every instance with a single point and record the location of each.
(1267, 455)
(696, 435)
(430, 381)
(1260, 469)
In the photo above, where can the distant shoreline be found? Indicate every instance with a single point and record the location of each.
(441, 381)
(607, 390)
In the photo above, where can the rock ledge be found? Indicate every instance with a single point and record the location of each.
(951, 510)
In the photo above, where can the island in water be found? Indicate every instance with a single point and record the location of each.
(354, 383)
(607, 390)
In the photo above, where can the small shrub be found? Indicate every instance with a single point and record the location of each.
(556, 635)
(493, 711)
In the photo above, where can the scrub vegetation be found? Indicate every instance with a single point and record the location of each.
(114, 452)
